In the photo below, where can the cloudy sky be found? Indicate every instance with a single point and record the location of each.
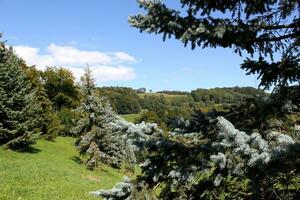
(72, 34)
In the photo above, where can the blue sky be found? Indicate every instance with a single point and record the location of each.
(72, 33)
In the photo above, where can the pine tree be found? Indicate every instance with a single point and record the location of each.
(18, 107)
(49, 125)
(238, 165)
(270, 164)
(95, 134)
(121, 191)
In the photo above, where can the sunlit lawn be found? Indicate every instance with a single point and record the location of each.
(51, 172)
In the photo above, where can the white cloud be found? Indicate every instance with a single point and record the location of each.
(106, 73)
(106, 66)
(121, 56)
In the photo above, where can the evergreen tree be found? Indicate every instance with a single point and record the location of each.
(270, 163)
(95, 134)
(236, 165)
(121, 191)
(18, 105)
(103, 135)
(49, 125)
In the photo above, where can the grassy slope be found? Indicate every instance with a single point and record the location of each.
(51, 173)
(131, 117)
(168, 97)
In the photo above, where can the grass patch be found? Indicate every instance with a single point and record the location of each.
(51, 171)
(131, 117)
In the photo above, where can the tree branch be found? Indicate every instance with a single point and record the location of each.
(276, 39)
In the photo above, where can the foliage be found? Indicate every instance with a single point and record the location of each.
(202, 122)
(228, 96)
(49, 125)
(173, 92)
(152, 117)
(281, 73)
(253, 150)
(270, 163)
(179, 111)
(258, 24)
(233, 165)
(123, 100)
(121, 190)
(19, 106)
(60, 87)
(103, 135)
(95, 136)
(130, 135)
(153, 102)
(173, 109)
(264, 113)
(141, 90)
(67, 118)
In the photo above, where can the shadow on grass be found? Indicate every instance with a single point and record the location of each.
(28, 149)
(76, 159)
(104, 170)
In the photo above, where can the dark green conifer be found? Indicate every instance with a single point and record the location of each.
(18, 107)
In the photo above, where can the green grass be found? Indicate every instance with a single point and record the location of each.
(51, 172)
(131, 117)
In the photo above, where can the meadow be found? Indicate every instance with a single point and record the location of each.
(51, 170)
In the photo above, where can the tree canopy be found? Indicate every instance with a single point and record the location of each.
(60, 87)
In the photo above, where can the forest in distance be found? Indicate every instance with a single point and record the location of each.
(65, 137)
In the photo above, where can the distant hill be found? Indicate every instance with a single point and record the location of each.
(228, 95)
(130, 101)
(173, 92)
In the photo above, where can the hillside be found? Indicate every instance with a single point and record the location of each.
(168, 96)
(130, 101)
(51, 171)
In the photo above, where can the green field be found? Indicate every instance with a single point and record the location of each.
(51, 171)
(131, 117)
